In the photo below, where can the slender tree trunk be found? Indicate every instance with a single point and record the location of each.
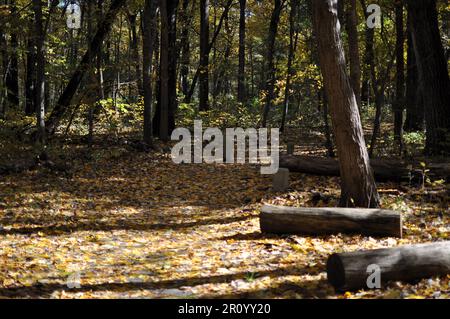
(135, 51)
(185, 49)
(164, 73)
(270, 65)
(414, 98)
(40, 71)
(357, 181)
(353, 44)
(252, 69)
(379, 104)
(12, 76)
(368, 60)
(433, 73)
(92, 77)
(100, 55)
(204, 56)
(30, 71)
(172, 9)
(149, 28)
(4, 70)
(400, 77)
(157, 74)
(241, 71)
(292, 46)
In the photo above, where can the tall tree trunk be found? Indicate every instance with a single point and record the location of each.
(292, 46)
(241, 71)
(30, 71)
(157, 74)
(40, 70)
(269, 80)
(91, 77)
(357, 181)
(12, 76)
(4, 70)
(204, 56)
(135, 51)
(368, 60)
(100, 55)
(71, 88)
(400, 76)
(414, 98)
(353, 44)
(172, 9)
(164, 74)
(185, 48)
(149, 28)
(433, 73)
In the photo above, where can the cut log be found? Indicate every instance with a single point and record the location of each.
(351, 271)
(384, 170)
(327, 221)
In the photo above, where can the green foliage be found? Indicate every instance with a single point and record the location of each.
(226, 113)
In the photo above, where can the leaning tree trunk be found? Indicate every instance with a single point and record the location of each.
(71, 88)
(433, 74)
(357, 181)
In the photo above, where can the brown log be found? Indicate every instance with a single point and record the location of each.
(327, 221)
(349, 271)
(384, 170)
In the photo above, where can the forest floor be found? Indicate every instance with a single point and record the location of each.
(125, 224)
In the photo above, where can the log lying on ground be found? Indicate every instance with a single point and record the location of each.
(349, 271)
(384, 170)
(327, 221)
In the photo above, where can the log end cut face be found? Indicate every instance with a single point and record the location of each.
(336, 272)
